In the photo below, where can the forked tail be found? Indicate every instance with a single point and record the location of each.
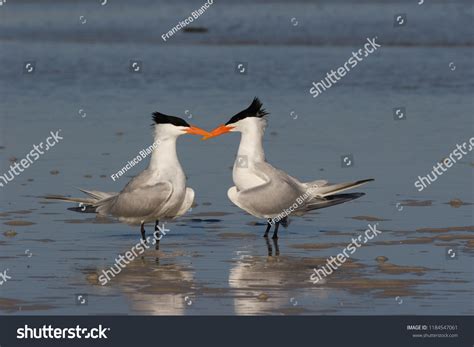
(85, 204)
(331, 200)
(323, 191)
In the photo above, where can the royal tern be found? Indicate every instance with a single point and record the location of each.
(159, 192)
(266, 192)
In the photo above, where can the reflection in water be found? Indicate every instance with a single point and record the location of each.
(270, 249)
(266, 285)
(156, 289)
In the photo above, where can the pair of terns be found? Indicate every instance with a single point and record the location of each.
(160, 193)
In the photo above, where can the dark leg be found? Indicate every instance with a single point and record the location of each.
(268, 228)
(142, 230)
(157, 235)
(277, 249)
(275, 232)
(269, 247)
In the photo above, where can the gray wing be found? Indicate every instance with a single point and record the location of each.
(270, 198)
(139, 202)
(280, 175)
(139, 181)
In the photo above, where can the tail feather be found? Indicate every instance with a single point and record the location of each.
(68, 199)
(316, 184)
(95, 194)
(332, 200)
(325, 191)
(84, 209)
(86, 204)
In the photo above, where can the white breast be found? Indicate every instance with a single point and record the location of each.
(245, 177)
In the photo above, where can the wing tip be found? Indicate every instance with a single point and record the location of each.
(366, 180)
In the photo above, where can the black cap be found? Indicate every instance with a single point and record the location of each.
(254, 110)
(160, 118)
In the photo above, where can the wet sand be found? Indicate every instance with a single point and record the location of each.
(250, 275)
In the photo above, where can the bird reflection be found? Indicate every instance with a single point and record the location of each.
(270, 249)
(156, 289)
(269, 284)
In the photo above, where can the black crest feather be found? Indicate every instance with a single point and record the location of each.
(160, 118)
(254, 110)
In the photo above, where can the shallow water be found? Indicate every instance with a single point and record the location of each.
(214, 260)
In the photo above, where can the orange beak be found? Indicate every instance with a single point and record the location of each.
(218, 131)
(196, 131)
